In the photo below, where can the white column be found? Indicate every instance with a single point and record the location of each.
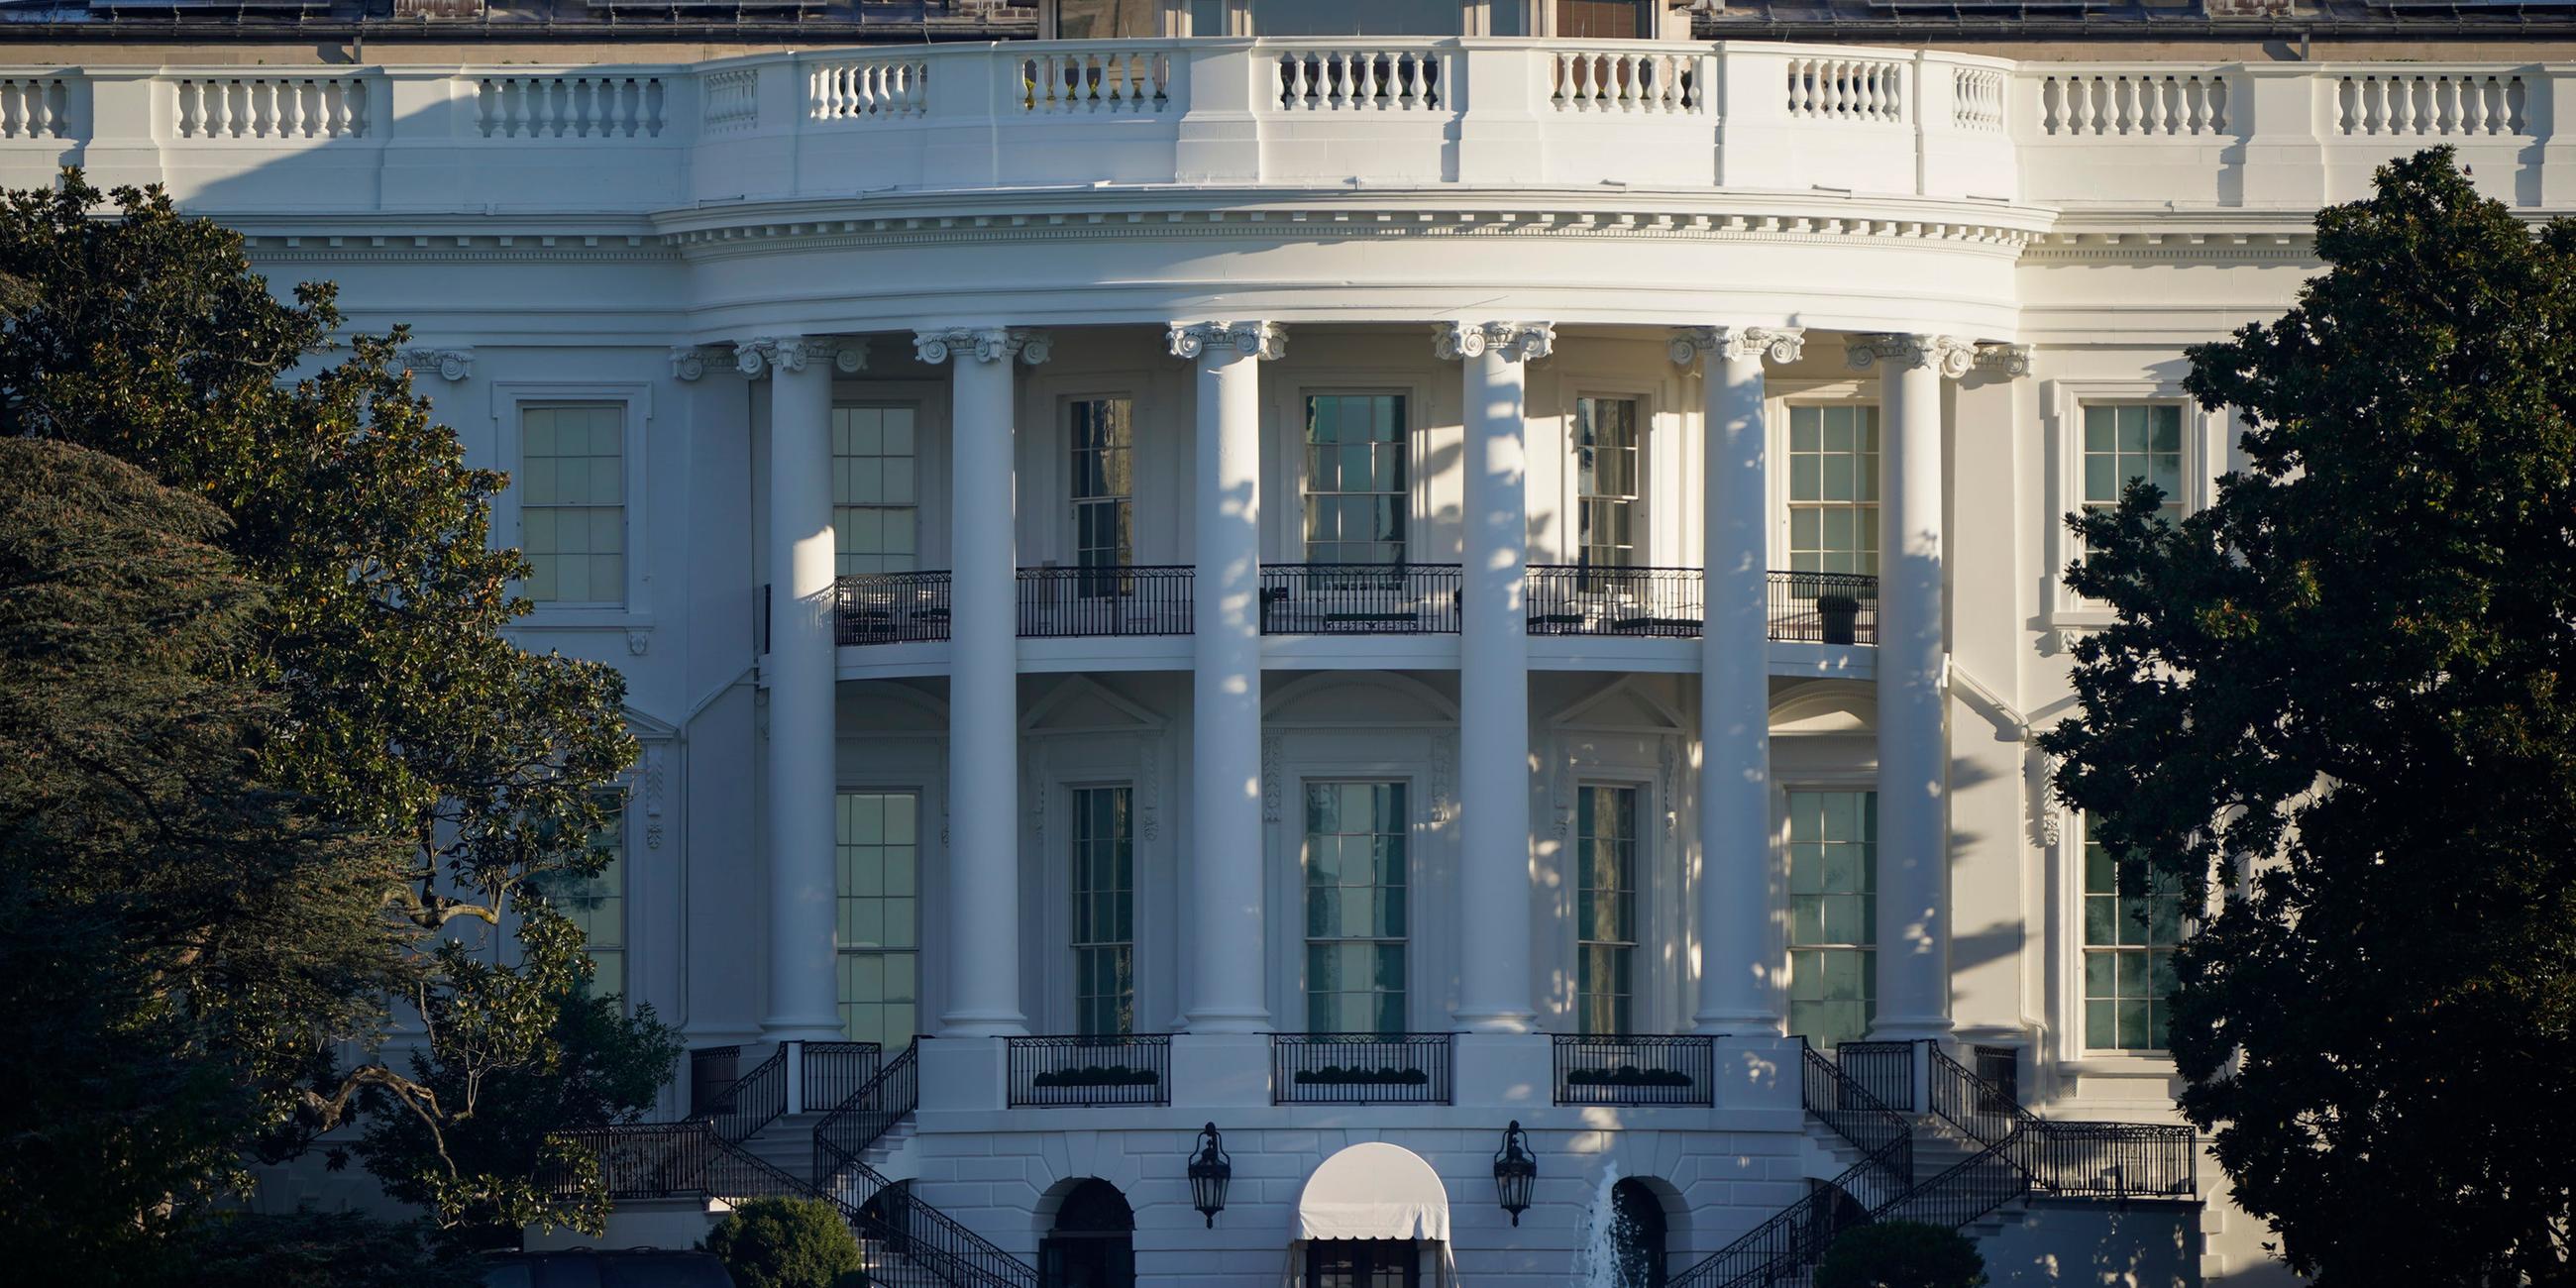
(983, 680)
(804, 998)
(1740, 954)
(1495, 980)
(1228, 993)
(1913, 740)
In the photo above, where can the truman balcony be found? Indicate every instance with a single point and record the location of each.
(1357, 599)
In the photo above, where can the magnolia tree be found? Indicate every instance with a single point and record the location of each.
(395, 706)
(2340, 704)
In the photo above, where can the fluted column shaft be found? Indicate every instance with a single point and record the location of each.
(1496, 982)
(1739, 901)
(983, 680)
(1227, 988)
(1913, 754)
(804, 999)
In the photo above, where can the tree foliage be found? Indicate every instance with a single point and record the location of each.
(173, 927)
(1901, 1254)
(2343, 694)
(403, 710)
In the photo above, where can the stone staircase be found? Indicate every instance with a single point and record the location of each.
(1911, 1134)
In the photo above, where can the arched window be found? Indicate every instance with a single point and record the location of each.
(1637, 1232)
(1093, 1243)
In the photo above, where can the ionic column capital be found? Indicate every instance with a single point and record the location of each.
(1515, 341)
(984, 344)
(451, 364)
(1947, 354)
(1254, 339)
(2011, 361)
(1781, 344)
(774, 353)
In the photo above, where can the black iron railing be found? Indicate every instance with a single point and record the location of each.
(1793, 1238)
(637, 1160)
(1059, 603)
(756, 1099)
(1824, 608)
(847, 1131)
(1595, 1069)
(1359, 599)
(1359, 1068)
(712, 1073)
(928, 1241)
(1976, 1185)
(1128, 1069)
(2076, 1159)
(1575, 599)
(2000, 1066)
(1841, 1103)
(892, 607)
(834, 1071)
(1885, 1068)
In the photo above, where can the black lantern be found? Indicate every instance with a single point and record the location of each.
(1515, 1169)
(1210, 1170)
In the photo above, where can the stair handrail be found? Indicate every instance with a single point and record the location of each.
(1794, 1236)
(918, 1232)
(1841, 1103)
(869, 1113)
(2152, 1160)
(755, 1099)
(1958, 1195)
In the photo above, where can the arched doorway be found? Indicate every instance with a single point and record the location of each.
(1093, 1242)
(1637, 1234)
(1372, 1216)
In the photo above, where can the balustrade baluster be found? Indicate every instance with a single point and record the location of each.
(2456, 116)
(220, 114)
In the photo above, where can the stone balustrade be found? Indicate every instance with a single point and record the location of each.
(1810, 123)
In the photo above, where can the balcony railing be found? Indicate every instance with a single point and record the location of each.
(1359, 1068)
(1359, 599)
(1570, 599)
(893, 608)
(1824, 608)
(1595, 1069)
(835, 1070)
(1355, 599)
(1058, 603)
(1129, 1069)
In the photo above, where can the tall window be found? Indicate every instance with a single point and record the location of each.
(1355, 913)
(572, 503)
(1833, 915)
(1104, 910)
(1104, 489)
(597, 904)
(1833, 488)
(876, 501)
(1605, 908)
(1358, 486)
(2132, 920)
(1606, 440)
(879, 932)
(2129, 441)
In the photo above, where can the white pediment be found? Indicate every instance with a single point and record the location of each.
(1624, 705)
(1079, 704)
(1357, 698)
(1825, 707)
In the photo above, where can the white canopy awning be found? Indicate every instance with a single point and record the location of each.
(1373, 1191)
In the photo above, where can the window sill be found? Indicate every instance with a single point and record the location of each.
(2109, 1064)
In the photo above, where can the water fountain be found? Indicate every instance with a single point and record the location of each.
(1609, 1256)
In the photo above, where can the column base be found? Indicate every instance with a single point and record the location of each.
(1740, 1024)
(798, 1028)
(1496, 1021)
(1227, 1021)
(1929, 1028)
(983, 1024)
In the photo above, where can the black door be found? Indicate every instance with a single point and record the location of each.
(1363, 1263)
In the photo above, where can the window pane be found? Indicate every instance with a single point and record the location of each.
(1833, 878)
(878, 931)
(1103, 910)
(875, 514)
(1356, 491)
(1606, 880)
(572, 517)
(1833, 488)
(1355, 907)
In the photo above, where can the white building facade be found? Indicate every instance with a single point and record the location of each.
(1366, 588)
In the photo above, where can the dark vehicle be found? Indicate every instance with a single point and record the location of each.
(597, 1268)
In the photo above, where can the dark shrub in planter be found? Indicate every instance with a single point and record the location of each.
(1333, 1074)
(1901, 1254)
(785, 1243)
(1627, 1075)
(1097, 1075)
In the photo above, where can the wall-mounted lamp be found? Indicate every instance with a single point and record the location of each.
(1211, 1169)
(1515, 1170)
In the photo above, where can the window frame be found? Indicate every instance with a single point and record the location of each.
(921, 534)
(1410, 818)
(1071, 505)
(1784, 804)
(1783, 549)
(2063, 402)
(1075, 946)
(1289, 536)
(1646, 550)
(510, 399)
(921, 951)
(1641, 892)
(2065, 1044)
